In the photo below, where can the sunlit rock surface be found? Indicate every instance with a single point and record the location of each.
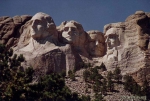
(127, 46)
(10, 29)
(48, 48)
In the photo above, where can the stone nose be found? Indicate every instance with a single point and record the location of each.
(106, 40)
(69, 31)
(50, 25)
(33, 24)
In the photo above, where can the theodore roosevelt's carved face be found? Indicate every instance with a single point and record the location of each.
(96, 44)
(42, 25)
(112, 39)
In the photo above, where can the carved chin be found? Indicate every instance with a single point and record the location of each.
(98, 53)
(36, 36)
(68, 40)
(110, 46)
(32, 32)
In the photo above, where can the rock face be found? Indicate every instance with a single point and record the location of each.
(127, 46)
(40, 45)
(10, 29)
(48, 48)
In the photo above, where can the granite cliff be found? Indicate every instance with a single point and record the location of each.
(48, 48)
(131, 51)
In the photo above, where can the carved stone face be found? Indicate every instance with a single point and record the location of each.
(42, 25)
(70, 33)
(96, 44)
(112, 39)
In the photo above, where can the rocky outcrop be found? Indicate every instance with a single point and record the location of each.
(127, 47)
(10, 28)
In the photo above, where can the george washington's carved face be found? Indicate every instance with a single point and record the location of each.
(42, 25)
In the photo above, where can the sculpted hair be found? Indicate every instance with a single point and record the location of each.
(78, 25)
(25, 36)
(26, 32)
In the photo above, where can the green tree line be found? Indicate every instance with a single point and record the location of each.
(16, 82)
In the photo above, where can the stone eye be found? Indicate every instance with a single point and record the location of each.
(73, 29)
(37, 21)
(66, 28)
(111, 36)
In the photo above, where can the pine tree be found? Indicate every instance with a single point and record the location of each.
(99, 97)
(110, 84)
(145, 88)
(71, 75)
(117, 74)
(86, 98)
(103, 67)
(103, 88)
(128, 82)
(86, 74)
(109, 75)
(131, 85)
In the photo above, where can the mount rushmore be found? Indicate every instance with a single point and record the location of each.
(50, 48)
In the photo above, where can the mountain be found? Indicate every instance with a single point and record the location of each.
(48, 48)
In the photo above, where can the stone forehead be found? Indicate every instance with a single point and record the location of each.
(73, 23)
(70, 24)
(41, 15)
(95, 34)
(111, 31)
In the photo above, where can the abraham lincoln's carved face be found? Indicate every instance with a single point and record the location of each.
(112, 38)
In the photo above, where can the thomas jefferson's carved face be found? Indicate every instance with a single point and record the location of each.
(112, 39)
(42, 25)
(97, 44)
(70, 33)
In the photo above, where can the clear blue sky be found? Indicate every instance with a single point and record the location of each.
(92, 14)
